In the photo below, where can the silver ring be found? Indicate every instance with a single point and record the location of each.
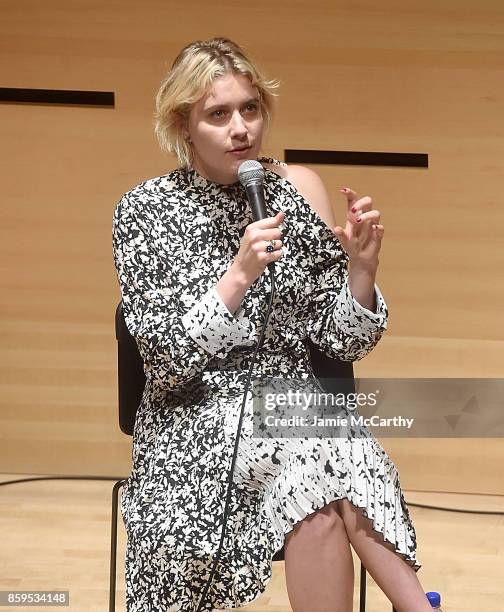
(271, 246)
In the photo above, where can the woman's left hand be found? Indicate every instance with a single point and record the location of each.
(361, 238)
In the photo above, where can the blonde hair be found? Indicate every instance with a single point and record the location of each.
(192, 72)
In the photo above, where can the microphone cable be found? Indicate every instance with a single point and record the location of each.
(251, 176)
(237, 440)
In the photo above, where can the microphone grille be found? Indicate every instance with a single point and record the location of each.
(251, 172)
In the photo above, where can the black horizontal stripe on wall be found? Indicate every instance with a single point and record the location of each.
(356, 158)
(15, 95)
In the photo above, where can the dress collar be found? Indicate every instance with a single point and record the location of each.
(195, 178)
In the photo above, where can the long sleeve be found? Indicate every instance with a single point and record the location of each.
(175, 343)
(338, 324)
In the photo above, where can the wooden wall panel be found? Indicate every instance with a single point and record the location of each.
(401, 77)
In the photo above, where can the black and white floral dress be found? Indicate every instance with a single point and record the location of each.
(174, 236)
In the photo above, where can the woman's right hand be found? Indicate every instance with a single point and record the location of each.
(252, 258)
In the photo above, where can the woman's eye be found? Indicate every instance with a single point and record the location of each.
(218, 114)
(251, 108)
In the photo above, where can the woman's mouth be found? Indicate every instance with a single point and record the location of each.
(240, 151)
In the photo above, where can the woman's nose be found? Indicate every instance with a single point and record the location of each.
(237, 127)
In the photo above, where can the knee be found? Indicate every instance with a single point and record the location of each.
(322, 523)
(357, 524)
(351, 516)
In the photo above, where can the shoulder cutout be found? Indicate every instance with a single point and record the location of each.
(310, 186)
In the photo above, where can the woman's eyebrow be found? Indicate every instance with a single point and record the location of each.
(213, 107)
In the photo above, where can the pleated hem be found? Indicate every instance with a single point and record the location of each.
(411, 561)
(369, 480)
(301, 491)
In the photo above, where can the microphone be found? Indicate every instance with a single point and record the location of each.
(251, 176)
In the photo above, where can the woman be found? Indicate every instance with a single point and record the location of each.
(192, 266)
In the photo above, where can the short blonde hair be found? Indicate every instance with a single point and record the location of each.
(192, 72)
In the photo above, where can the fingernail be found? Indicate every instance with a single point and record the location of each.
(353, 209)
(344, 190)
(358, 219)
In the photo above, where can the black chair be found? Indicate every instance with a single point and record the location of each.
(131, 383)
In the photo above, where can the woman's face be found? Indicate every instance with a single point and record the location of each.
(225, 127)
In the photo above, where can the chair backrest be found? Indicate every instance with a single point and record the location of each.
(334, 375)
(130, 373)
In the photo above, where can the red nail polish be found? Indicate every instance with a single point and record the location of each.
(358, 220)
(353, 209)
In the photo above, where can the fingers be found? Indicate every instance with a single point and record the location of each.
(269, 221)
(357, 205)
(261, 244)
(265, 254)
(268, 234)
(259, 236)
(350, 194)
(265, 229)
(379, 230)
(339, 232)
(371, 217)
(361, 213)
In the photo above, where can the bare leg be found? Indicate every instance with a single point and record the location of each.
(396, 578)
(318, 564)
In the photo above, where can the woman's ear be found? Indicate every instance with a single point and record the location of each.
(181, 123)
(185, 133)
(184, 130)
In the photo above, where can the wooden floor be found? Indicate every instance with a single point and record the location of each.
(55, 535)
